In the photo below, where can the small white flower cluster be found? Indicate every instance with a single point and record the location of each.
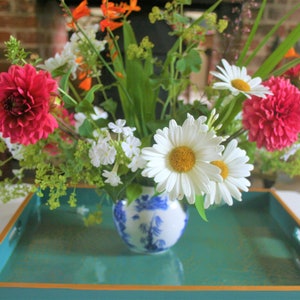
(14, 148)
(291, 151)
(68, 58)
(81, 117)
(114, 147)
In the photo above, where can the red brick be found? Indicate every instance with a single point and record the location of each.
(4, 65)
(27, 37)
(26, 6)
(4, 36)
(19, 21)
(5, 5)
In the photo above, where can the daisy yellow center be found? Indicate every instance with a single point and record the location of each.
(240, 85)
(224, 169)
(182, 159)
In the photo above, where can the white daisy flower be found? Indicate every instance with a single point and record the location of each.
(180, 160)
(238, 81)
(112, 178)
(234, 169)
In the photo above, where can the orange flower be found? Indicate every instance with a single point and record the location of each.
(292, 53)
(80, 11)
(119, 74)
(86, 84)
(131, 7)
(112, 12)
(112, 25)
(83, 76)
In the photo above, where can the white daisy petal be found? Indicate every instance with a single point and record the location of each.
(179, 162)
(234, 176)
(236, 80)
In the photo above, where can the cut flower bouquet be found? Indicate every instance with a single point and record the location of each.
(59, 120)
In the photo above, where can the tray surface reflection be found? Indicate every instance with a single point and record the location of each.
(249, 244)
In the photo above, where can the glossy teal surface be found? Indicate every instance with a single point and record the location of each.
(10, 241)
(240, 246)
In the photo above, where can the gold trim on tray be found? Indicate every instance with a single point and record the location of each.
(119, 287)
(14, 217)
(286, 207)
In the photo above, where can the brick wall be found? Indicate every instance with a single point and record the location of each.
(274, 11)
(38, 24)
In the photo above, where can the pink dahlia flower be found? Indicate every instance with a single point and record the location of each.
(25, 104)
(293, 72)
(274, 122)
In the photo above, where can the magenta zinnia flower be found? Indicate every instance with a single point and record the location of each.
(274, 122)
(25, 104)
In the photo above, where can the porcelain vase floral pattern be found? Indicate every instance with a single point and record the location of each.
(151, 223)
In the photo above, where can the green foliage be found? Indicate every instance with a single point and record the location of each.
(2, 146)
(229, 111)
(133, 191)
(14, 52)
(199, 204)
(273, 162)
(191, 62)
(55, 173)
(62, 160)
(7, 193)
(93, 218)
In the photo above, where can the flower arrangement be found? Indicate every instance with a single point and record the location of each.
(58, 120)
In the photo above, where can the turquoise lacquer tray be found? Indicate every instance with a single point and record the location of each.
(248, 251)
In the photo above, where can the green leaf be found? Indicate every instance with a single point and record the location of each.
(85, 107)
(252, 33)
(133, 191)
(199, 204)
(140, 111)
(286, 67)
(64, 81)
(91, 93)
(273, 60)
(110, 106)
(67, 99)
(267, 36)
(86, 129)
(190, 62)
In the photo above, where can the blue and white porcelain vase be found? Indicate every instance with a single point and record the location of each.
(152, 223)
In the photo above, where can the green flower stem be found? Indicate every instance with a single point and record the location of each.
(66, 128)
(236, 134)
(268, 35)
(74, 91)
(230, 111)
(107, 66)
(252, 33)
(3, 162)
(286, 67)
(67, 95)
(103, 61)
